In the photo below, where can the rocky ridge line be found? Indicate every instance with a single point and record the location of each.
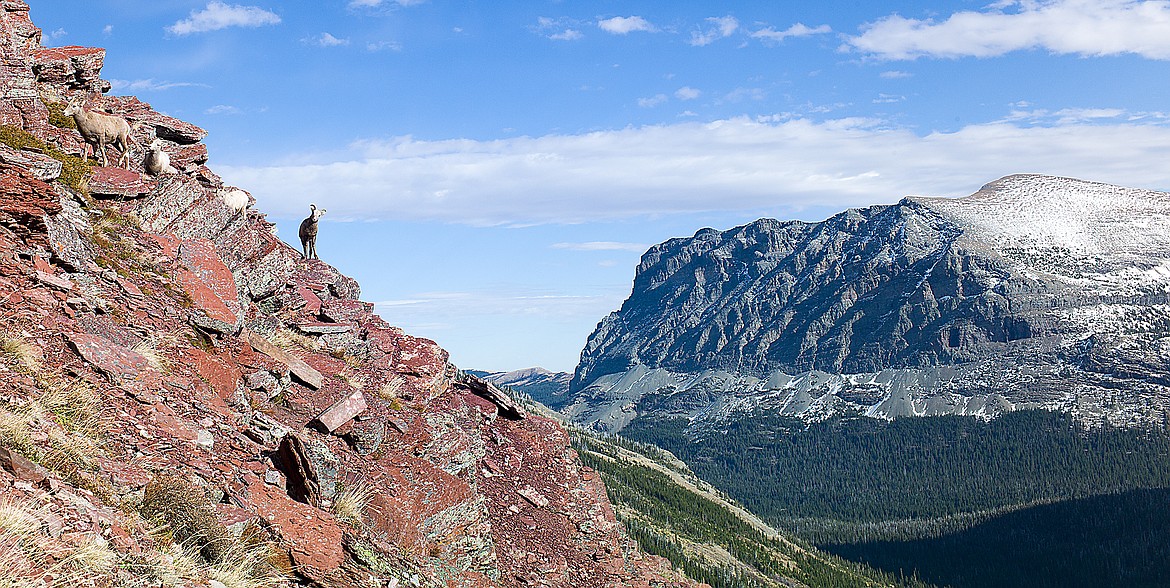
(199, 353)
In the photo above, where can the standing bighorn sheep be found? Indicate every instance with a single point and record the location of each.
(157, 161)
(308, 232)
(99, 129)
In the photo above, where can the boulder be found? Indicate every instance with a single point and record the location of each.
(342, 411)
(76, 68)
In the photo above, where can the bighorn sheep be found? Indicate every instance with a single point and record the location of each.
(157, 161)
(234, 198)
(99, 129)
(308, 232)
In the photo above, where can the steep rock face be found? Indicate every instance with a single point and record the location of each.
(165, 355)
(1042, 290)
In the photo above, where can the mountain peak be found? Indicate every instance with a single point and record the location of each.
(1034, 291)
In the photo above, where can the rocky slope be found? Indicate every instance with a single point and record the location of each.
(185, 401)
(1033, 292)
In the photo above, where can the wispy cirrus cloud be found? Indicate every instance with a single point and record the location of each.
(1087, 28)
(223, 109)
(602, 246)
(652, 101)
(693, 167)
(218, 15)
(325, 40)
(797, 30)
(718, 27)
(151, 85)
(377, 3)
(624, 25)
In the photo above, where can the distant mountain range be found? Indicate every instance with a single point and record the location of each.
(545, 387)
(1034, 292)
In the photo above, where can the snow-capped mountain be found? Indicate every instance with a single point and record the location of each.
(1035, 291)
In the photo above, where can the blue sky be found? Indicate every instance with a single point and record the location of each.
(493, 170)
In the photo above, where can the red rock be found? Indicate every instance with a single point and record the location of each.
(57, 282)
(312, 301)
(342, 411)
(73, 67)
(222, 375)
(41, 167)
(165, 127)
(312, 537)
(116, 181)
(303, 371)
(128, 287)
(24, 203)
(21, 467)
(110, 358)
(210, 284)
(189, 157)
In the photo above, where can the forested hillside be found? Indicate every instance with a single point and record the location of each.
(1034, 491)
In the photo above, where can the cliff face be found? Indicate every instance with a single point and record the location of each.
(167, 360)
(1035, 291)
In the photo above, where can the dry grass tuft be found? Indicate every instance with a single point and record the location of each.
(350, 504)
(287, 338)
(72, 403)
(25, 354)
(356, 381)
(390, 390)
(149, 350)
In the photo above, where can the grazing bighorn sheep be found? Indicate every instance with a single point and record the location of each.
(99, 129)
(308, 232)
(157, 161)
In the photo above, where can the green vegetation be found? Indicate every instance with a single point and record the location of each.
(57, 116)
(75, 171)
(699, 532)
(1031, 498)
(1110, 540)
(871, 470)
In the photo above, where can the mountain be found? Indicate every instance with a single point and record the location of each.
(543, 386)
(186, 401)
(1034, 292)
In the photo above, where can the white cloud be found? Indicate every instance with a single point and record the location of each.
(376, 3)
(108, 30)
(690, 167)
(223, 109)
(567, 35)
(602, 246)
(796, 30)
(1077, 27)
(741, 94)
(218, 15)
(888, 99)
(57, 34)
(384, 46)
(720, 27)
(150, 85)
(623, 25)
(651, 102)
(425, 306)
(687, 93)
(325, 40)
(895, 75)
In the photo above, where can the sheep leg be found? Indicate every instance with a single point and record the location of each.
(102, 149)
